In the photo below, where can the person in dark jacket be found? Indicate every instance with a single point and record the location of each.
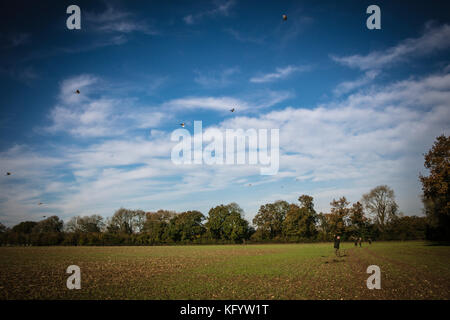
(337, 242)
(370, 240)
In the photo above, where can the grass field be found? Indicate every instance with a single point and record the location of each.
(409, 270)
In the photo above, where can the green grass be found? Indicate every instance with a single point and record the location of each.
(409, 270)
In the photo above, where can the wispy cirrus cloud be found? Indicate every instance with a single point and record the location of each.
(115, 20)
(216, 79)
(24, 74)
(348, 86)
(206, 103)
(241, 37)
(220, 9)
(434, 38)
(91, 114)
(250, 103)
(369, 138)
(280, 73)
(14, 40)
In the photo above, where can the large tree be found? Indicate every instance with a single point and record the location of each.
(269, 219)
(24, 227)
(186, 226)
(339, 216)
(226, 222)
(380, 205)
(435, 186)
(51, 224)
(126, 221)
(300, 220)
(358, 221)
(156, 225)
(93, 223)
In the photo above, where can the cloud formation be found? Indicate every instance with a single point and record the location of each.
(434, 38)
(280, 73)
(220, 9)
(369, 138)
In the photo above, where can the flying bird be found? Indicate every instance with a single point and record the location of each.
(8, 173)
(232, 110)
(77, 92)
(182, 124)
(284, 17)
(40, 203)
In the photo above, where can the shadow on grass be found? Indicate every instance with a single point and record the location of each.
(438, 244)
(335, 261)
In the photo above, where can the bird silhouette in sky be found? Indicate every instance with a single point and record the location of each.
(232, 110)
(8, 174)
(182, 124)
(284, 17)
(77, 92)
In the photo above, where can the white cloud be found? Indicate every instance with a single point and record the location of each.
(89, 115)
(115, 20)
(251, 103)
(348, 86)
(207, 103)
(216, 79)
(239, 36)
(280, 73)
(433, 39)
(343, 148)
(220, 9)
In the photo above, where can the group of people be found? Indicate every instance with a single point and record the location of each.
(358, 240)
(337, 243)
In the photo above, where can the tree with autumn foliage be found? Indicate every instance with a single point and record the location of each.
(435, 186)
(338, 218)
(300, 221)
(358, 222)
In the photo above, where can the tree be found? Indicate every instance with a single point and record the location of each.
(357, 220)
(309, 216)
(339, 216)
(126, 221)
(324, 226)
(186, 226)
(156, 225)
(49, 225)
(3, 229)
(407, 228)
(380, 205)
(436, 192)
(25, 227)
(92, 223)
(269, 219)
(300, 220)
(225, 222)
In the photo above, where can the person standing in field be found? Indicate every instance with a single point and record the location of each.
(370, 240)
(356, 241)
(360, 242)
(337, 242)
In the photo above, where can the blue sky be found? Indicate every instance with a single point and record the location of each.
(356, 108)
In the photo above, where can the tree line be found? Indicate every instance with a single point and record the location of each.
(375, 216)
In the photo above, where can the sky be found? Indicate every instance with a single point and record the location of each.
(355, 108)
